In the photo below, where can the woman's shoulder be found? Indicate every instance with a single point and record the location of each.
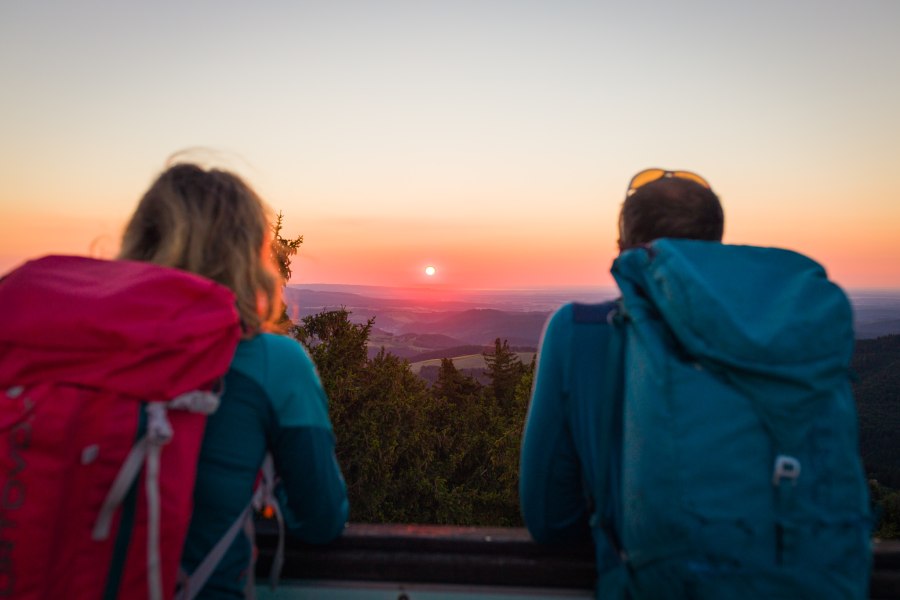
(270, 358)
(273, 350)
(272, 340)
(285, 371)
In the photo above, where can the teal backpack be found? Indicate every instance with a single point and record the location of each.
(740, 472)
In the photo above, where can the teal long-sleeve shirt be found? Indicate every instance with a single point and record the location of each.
(562, 447)
(273, 402)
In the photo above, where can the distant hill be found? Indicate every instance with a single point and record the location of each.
(451, 352)
(421, 331)
(877, 365)
(427, 340)
(510, 317)
(877, 328)
(877, 390)
(430, 374)
(312, 301)
(409, 345)
(876, 312)
(468, 361)
(472, 365)
(456, 351)
(483, 326)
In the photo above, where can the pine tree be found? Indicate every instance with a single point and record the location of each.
(452, 386)
(283, 249)
(339, 349)
(504, 370)
(447, 455)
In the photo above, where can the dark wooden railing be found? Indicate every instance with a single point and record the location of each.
(472, 556)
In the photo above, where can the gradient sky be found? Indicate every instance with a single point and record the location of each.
(491, 139)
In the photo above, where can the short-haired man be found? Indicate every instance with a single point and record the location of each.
(572, 462)
(673, 204)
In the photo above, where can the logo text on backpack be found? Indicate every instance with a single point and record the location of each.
(12, 494)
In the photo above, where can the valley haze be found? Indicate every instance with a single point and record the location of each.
(432, 322)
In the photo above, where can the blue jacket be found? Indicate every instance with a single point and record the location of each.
(273, 402)
(752, 345)
(561, 450)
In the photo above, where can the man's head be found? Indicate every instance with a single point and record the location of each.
(675, 204)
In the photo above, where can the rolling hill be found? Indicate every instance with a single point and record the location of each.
(483, 326)
(412, 345)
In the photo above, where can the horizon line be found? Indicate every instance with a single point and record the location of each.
(549, 288)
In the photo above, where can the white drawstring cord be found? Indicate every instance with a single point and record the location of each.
(159, 432)
(149, 448)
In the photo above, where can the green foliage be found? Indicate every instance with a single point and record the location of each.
(446, 455)
(283, 249)
(384, 444)
(477, 451)
(338, 348)
(877, 390)
(413, 454)
(453, 387)
(886, 503)
(449, 454)
(505, 370)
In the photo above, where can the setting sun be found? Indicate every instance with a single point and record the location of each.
(473, 140)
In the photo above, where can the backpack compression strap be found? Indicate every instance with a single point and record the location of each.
(610, 429)
(147, 449)
(263, 498)
(609, 417)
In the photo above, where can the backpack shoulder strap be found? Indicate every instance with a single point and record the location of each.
(603, 501)
(263, 498)
(610, 424)
(593, 313)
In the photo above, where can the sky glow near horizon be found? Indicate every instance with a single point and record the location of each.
(492, 140)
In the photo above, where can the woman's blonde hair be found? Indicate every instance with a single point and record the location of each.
(210, 222)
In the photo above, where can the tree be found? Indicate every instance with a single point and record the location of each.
(388, 444)
(447, 455)
(378, 410)
(339, 350)
(283, 249)
(886, 508)
(504, 370)
(454, 387)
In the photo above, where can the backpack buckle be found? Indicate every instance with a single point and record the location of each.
(786, 467)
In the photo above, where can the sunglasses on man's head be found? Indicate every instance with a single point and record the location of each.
(649, 175)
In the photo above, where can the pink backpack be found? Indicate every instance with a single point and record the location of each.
(107, 372)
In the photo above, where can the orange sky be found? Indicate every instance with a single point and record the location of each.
(536, 246)
(492, 140)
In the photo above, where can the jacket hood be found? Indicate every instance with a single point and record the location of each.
(129, 327)
(765, 317)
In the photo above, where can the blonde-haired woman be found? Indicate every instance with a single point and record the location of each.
(211, 223)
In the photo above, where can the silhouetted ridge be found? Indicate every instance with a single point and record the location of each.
(483, 326)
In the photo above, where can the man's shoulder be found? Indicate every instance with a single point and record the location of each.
(574, 317)
(591, 313)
